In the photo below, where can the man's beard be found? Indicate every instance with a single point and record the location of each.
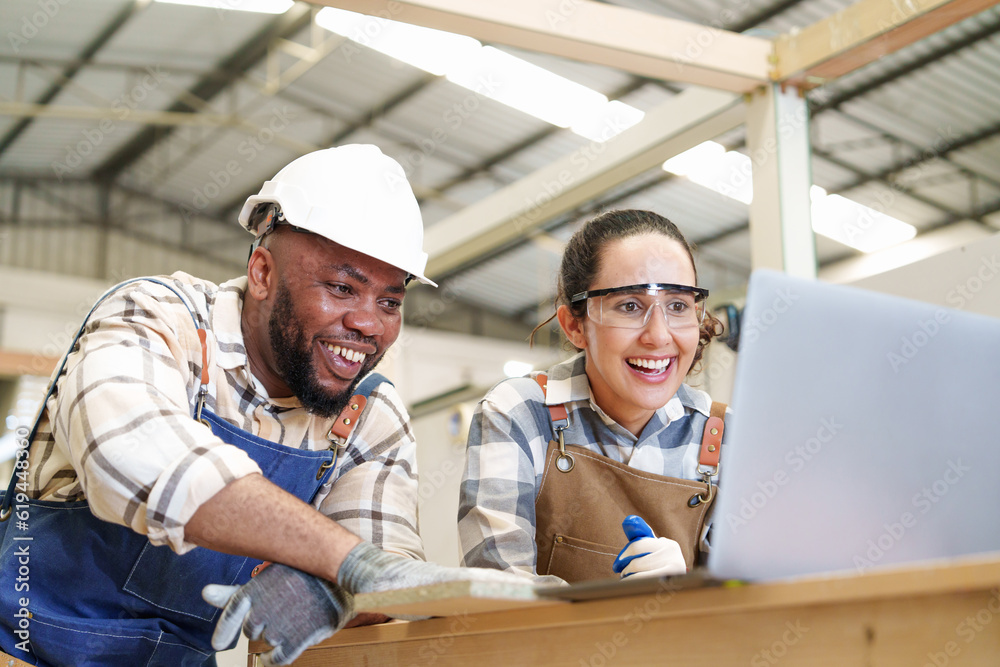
(294, 361)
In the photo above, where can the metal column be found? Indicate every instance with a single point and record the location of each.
(781, 235)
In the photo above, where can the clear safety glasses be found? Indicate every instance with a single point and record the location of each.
(629, 307)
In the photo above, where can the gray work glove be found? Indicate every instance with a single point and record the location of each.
(287, 608)
(368, 569)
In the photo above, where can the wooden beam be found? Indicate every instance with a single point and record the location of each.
(588, 31)
(518, 210)
(862, 33)
(16, 364)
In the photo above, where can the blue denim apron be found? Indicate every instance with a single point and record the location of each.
(100, 594)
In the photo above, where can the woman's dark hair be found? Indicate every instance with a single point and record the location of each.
(581, 262)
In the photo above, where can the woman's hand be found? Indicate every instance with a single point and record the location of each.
(647, 555)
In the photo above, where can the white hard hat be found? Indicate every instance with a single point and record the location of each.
(355, 196)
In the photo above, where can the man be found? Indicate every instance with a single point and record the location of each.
(221, 417)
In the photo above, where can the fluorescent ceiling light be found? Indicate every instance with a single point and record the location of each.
(488, 72)
(710, 165)
(259, 6)
(431, 50)
(516, 369)
(604, 122)
(729, 173)
(856, 225)
(527, 87)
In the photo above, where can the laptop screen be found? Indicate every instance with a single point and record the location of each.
(866, 433)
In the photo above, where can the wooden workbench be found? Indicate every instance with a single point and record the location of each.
(915, 617)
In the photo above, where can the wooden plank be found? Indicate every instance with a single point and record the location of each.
(905, 631)
(451, 598)
(588, 31)
(862, 33)
(10, 661)
(15, 364)
(883, 617)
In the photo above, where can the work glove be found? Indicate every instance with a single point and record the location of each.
(287, 608)
(368, 569)
(645, 554)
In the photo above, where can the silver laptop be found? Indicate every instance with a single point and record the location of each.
(866, 434)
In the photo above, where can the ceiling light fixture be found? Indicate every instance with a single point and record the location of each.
(488, 72)
(730, 173)
(258, 6)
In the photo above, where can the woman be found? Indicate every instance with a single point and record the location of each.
(559, 460)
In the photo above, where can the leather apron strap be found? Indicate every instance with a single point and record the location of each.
(579, 508)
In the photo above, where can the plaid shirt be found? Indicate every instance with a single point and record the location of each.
(510, 433)
(119, 431)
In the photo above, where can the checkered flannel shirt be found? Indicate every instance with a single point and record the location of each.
(119, 432)
(505, 459)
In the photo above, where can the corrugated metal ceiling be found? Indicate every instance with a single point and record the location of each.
(872, 129)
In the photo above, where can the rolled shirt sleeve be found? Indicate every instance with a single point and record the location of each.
(496, 520)
(123, 413)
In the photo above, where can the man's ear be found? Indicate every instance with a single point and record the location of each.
(261, 276)
(572, 327)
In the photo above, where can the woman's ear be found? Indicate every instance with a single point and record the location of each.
(572, 327)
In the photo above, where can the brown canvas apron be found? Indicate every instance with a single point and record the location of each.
(584, 497)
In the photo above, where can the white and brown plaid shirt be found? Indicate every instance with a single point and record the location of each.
(119, 431)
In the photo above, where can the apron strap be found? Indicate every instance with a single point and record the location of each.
(711, 439)
(711, 447)
(560, 421)
(348, 417)
(560, 418)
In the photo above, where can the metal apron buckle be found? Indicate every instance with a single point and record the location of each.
(564, 461)
(699, 498)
